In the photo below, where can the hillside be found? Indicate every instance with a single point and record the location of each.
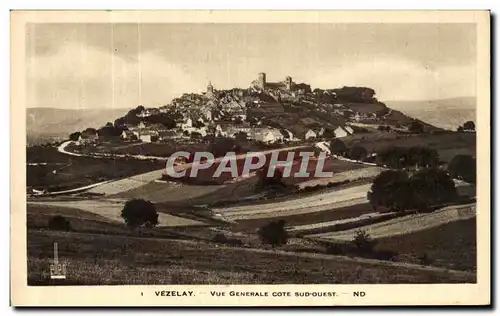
(48, 124)
(444, 113)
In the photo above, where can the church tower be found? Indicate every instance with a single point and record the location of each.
(262, 80)
(210, 89)
(288, 83)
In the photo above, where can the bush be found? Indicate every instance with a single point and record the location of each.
(58, 222)
(358, 153)
(338, 147)
(463, 167)
(274, 233)
(389, 189)
(364, 242)
(139, 212)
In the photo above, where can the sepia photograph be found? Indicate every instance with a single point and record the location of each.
(276, 158)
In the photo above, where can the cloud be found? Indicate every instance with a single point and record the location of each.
(81, 76)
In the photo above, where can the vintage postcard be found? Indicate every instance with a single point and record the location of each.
(250, 158)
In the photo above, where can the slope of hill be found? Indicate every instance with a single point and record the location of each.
(49, 124)
(444, 113)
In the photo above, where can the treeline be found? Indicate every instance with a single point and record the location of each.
(396, 157)
(398, 191)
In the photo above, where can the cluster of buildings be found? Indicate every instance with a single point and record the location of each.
(224, 114)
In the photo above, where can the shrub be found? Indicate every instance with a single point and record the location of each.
(273, 233)
(139, 212)
(358, 153)
(463, 167)
(58, 222)
(338, 147)
(364, 242)
(389, 189)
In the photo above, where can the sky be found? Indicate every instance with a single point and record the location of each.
(124, 65)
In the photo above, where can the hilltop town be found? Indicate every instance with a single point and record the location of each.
(267, 112)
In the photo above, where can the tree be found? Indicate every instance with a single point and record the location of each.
(363, 242)
(338, 147)
(221, 146)
(58, 222)
(90, 130)
(358, 153)
(421, 156)
(416, 127)
(431, 186)
(328, 133)
(463, 167)
(240, 136)
(469, 126)
(390, 189)
(139, 212)
(274, 233)
(74, 136)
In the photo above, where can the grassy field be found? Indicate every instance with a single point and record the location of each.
(104, 259)
(72, 172)
(452, 245)
(448, 144)
(308, 218)
(38, 217)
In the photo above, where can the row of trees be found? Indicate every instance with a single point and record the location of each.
(398, 191)
(396, 157)
(338, 147)
(468, 126)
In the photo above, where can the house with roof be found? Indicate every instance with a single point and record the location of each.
(310, 134)
(340, 132)
(349, 129)
(167, 135)
(148, 136)
(129, 135)
(88, 136)
(266, 135)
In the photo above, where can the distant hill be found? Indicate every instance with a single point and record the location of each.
(444, 113)
(49, 124)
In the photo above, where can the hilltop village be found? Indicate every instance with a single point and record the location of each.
(267, 112)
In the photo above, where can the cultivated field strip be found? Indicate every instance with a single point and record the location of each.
(133, 182)
(126, 184)
(310, 204)
(112, 211)
(337, 222)
(350, 175)
(406, 224)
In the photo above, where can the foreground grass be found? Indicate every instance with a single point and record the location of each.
(452, 245)
(106, 259)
